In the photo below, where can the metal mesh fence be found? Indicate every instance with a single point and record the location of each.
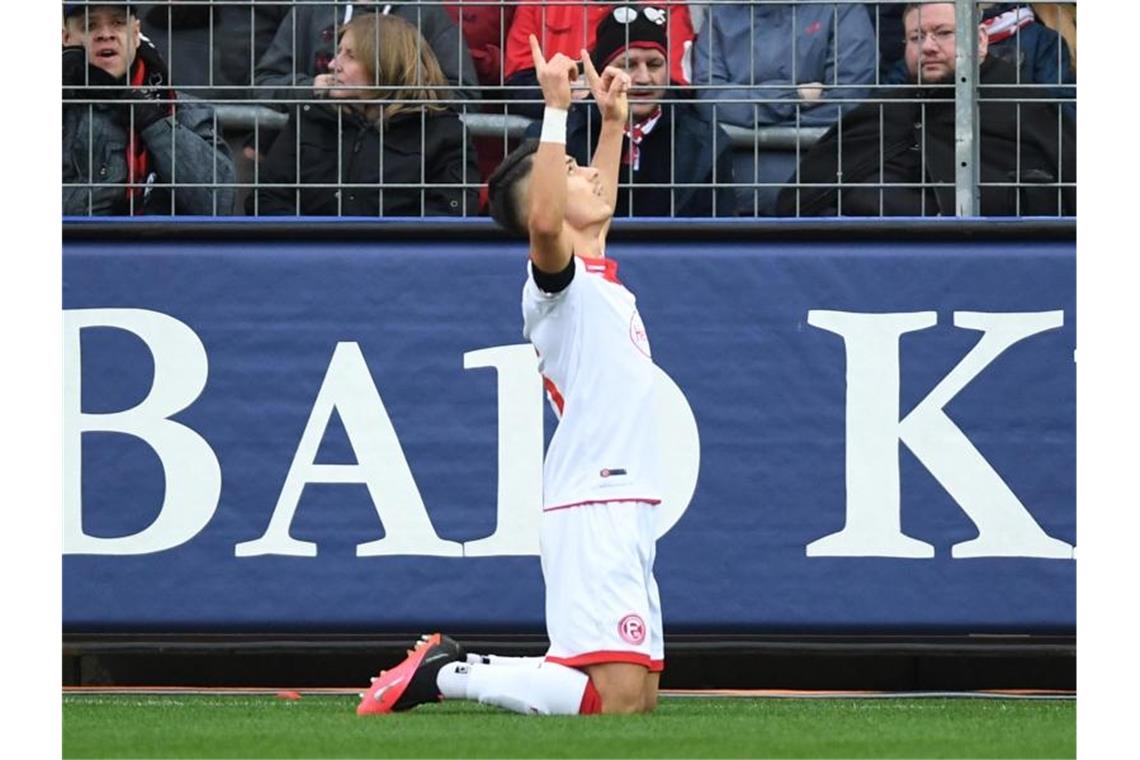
(760, 108)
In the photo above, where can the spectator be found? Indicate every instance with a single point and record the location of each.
(212, 49)
(121, 154)
(1038, 53)
(386, 123)
(305, 45)
(671, 142)
(569, 29)
(781, 65)
(1026, 148)
(484, 27)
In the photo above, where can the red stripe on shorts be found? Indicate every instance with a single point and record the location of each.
(605, 656)
(651, 502)
(591, 700)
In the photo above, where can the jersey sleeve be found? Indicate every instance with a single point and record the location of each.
(538, 304)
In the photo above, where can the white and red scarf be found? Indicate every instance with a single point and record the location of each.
(635, 133)
(1005, 25)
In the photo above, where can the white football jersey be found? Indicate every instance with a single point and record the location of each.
(594, 357)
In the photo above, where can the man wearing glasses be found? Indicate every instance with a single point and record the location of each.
(898, 155)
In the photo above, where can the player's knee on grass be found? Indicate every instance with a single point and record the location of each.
(621, 686)
(652, 681)
(622, 701)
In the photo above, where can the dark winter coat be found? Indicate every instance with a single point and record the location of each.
(434, 141)
(689, 160)
(914, 140)
(185, 147)
(181, 147)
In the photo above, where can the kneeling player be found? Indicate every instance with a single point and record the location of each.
(601, 478)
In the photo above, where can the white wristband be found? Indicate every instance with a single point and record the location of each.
(554, 125)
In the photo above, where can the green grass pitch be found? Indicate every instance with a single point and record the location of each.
(326, 726)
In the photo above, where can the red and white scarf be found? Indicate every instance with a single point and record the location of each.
(138, 159)
(148, 70)
(639, 130)
(1005, 25)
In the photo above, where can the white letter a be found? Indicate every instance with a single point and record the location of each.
(381, 466)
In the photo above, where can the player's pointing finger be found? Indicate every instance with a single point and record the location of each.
(588, 67)
(536, 52)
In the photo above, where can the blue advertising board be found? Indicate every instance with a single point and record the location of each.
(339, 435)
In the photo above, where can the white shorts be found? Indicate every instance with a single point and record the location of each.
(602, 603)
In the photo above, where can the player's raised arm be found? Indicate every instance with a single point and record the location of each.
(611, 93)
(550, 245)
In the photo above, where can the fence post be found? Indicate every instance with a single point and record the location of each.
(966, 109)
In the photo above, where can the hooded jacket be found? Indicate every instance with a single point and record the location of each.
(917, 139)
(763, 52)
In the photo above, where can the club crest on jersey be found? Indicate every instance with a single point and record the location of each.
(638, 335)
(632, 629)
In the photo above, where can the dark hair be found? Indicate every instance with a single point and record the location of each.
(503, 184)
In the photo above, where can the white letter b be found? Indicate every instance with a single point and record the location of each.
(192, 474)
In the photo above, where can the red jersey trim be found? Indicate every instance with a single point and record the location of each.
(603, 656)
(602, 265)
(636, 500)
(553, 392)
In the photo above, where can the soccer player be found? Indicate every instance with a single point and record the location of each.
(601, 476)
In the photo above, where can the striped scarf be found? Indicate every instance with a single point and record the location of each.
(1005, 25)
(138, 159)
(640, 129)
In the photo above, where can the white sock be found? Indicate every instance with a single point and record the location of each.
(500, 661)
(549, 689)
(452, 680)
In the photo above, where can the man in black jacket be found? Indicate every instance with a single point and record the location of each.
(665, 144)
(898, 156)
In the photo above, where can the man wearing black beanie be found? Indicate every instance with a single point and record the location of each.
(671, 155)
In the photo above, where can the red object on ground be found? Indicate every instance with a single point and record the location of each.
(288, 695)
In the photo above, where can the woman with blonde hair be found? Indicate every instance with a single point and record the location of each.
(384, 141)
